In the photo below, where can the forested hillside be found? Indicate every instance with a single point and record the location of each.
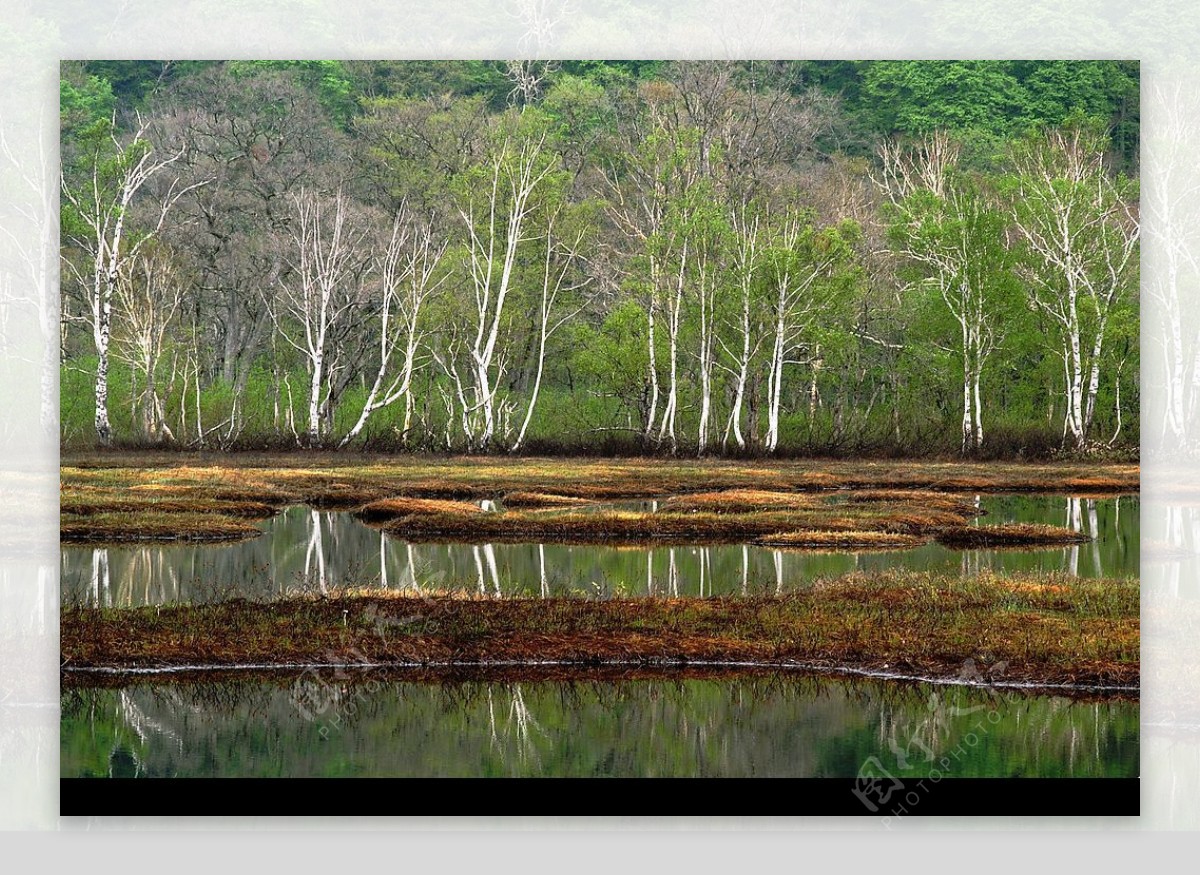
(800, 257)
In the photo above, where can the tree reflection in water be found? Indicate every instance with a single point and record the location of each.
(309, 551)
(373, 724)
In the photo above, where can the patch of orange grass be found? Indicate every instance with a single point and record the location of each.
(406, 506)
(1011, 535)
(739, 501)
(958, 504)
(521, 499)
(842, 539)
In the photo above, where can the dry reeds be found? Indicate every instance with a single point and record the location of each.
(846, 539)
(400, 507)
(1047, 628)
(525, 499)
(1011, 535)
(740, 501)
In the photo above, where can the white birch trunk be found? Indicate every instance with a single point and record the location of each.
(652, 367)
(520, 174)
(706, 341)
(104, 215)
(408, 280)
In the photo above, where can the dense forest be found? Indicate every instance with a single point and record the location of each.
(792, 257)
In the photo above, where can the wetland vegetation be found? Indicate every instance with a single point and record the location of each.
(749, 410)
(1047, 626)
(1047, 629)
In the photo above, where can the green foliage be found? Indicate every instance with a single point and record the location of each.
(877, 367)
(579, 112)
(132, 81)
(609, 73)
(84, 100)
(614, 357)
(918, 97)
(981, 101)
(330, 81)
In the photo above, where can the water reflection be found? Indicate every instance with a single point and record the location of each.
(305, 550)
(761, 726)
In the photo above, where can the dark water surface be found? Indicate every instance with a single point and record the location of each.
(303, 550)
(325, 725)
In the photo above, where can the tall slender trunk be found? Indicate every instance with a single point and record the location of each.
(978, 406)
(316, 382)
(968, 419)
(106, 282)
(667, 429)
(1075, 423)
(537, 385)
(775, 376)
(814, 394)
(735, 416)
(673, 393)
(652, 410)
(1093, 384)
(232, 331)
(739, 389)
(484, 398)
(706, 331)
(103, 427)
(408, 413)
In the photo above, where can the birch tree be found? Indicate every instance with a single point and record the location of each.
(96, 223)
(560, 258)
(409, 273)
(944, 226)
(149, 294)
(708, 233)
(806, 267)
(1080, 226)
(497, 215)
(641, 186)
(746, 263)
(322, 294)
(682, 251)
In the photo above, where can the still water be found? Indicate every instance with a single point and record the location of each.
(303, 550)
(323, 725)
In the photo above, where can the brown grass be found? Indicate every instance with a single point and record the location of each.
(915, 497)
(740, 501)
(400, 507)
(635, 527)
(120, 527)
(489, 477)
(844, 539)
(960, 505)
(96, 504)
(1048, 629)
(1010, 535)
(525, 499)
(620, 527)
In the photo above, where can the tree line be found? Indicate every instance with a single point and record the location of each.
(735, 257)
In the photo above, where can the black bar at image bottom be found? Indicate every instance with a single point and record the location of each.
(891, 802)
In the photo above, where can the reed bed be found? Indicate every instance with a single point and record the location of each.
(1045, 628)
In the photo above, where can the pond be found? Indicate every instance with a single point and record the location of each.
(304, 550)
(765, 726)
